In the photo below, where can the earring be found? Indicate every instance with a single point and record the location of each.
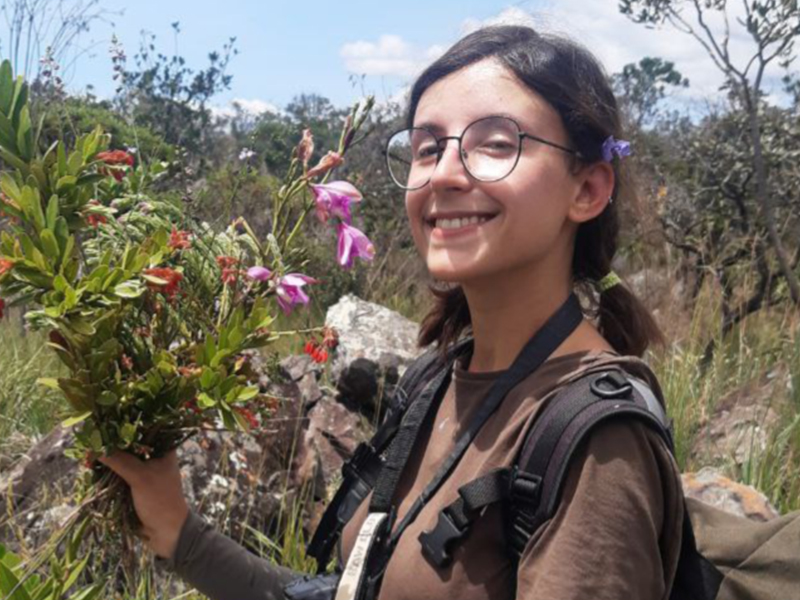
(610, 200)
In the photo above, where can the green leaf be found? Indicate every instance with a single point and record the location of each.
(107, 398)
(62, 160)
(6, 87)
(205, 401)
(76, 419)
(89, 593)
(19, 101)
(66, 183)
(96, 440)
(8, 137)
(50, 245)
(129, 289)
(9, 581)
(52, 212)
(49, 382)
(128, 432)
(14, 160)
(25, 135)
(246, 393)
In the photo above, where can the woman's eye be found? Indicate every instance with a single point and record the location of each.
(427, 151)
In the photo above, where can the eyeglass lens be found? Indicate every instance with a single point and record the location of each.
(489, 150)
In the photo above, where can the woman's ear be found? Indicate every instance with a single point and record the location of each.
(596, 184)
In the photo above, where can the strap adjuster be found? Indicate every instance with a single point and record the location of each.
(438, 542)
(362, 456)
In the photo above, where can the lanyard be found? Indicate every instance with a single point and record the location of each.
(536, 351)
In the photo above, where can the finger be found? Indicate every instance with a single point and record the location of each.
(123, 464)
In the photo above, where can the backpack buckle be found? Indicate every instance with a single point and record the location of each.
(362, 455)
(437, 543)
(614, 386)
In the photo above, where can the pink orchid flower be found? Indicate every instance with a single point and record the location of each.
(290, 290)
(259, 273)
(334, 199)
(353, 244)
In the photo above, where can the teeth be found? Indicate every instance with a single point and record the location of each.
(462, 222)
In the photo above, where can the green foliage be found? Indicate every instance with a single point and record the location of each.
(165, 96)
(76, 116)
(641, 86)
(62, 581)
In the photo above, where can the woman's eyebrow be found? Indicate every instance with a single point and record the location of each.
(438, 129)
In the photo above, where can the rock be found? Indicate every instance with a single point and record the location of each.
(44, 463)
(375, 346)
(709, 486)
(335, 432)
(738, 429)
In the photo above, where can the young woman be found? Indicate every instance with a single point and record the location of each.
(514, 180)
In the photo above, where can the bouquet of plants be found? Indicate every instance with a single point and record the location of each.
(154, 314)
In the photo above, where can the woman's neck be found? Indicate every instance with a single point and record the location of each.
(507, 313)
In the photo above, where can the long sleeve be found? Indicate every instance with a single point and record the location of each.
(615, 533)
(222, 569)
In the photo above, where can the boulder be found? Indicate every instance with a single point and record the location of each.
(375, 347)
(711, 487)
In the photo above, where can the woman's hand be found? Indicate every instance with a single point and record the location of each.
(157, 497)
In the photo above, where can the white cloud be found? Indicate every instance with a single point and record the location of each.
(617, 41)
(390, 55)
(251, 106)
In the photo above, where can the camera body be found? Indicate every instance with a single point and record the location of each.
(313, 587)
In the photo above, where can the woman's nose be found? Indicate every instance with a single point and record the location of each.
(449, 171)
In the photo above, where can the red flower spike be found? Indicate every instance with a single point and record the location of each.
(2, 307)
(172, 278)
(116, 158)
(179, 240)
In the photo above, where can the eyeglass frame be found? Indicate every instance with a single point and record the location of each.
(520, 133)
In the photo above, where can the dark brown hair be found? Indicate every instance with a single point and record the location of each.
(572, 81)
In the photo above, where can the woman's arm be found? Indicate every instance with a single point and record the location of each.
(186, 544)
(617, 530)
(222, 569)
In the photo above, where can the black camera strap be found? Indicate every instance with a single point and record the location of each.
(552, 334)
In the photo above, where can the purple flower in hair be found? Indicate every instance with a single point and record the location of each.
(611, 147)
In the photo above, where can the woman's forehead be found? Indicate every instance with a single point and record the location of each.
(479, 90)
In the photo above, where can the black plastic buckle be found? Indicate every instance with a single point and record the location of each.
(362, 455)
(525, 488)
(617, 386)
(437, 543)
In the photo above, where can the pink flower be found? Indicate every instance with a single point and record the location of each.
(259, 273)
(290, 291)
(353, 244)
(330, 161)
(335, 199)
(306, 147)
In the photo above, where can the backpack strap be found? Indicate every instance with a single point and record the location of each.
(533, 485)
(361, 471)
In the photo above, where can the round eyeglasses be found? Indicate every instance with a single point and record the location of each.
(489, 149)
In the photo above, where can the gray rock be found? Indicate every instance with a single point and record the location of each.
(375, 347)
(709, 486)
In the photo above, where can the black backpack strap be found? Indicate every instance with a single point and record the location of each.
(533, 485)
(361, 471)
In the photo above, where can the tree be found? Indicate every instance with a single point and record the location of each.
(165, 95)
(45, 28)
(640, 87)
(773, 26)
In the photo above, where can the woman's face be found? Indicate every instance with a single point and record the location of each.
(529, 208)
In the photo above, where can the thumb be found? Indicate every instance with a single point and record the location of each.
(123, 464)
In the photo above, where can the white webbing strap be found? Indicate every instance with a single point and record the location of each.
(353, 573)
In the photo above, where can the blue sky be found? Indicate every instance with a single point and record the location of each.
(286, 48)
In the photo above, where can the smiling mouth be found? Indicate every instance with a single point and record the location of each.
(459, 222)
